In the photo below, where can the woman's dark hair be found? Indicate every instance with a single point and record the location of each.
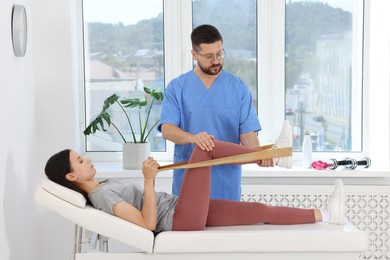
(205, 33)
(56, 169)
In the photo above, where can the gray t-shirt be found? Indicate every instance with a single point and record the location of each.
(114, 191)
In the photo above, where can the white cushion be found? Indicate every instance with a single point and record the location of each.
(93, 219)
(318, 237)
(64, 193)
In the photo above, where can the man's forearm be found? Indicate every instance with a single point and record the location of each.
(249, 139)
(175, 134)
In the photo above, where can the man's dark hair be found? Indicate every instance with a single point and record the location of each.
(205, 33)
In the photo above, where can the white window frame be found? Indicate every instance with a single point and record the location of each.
(177, 28)
(272, 71)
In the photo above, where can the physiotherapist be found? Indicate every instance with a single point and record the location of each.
(207, 104)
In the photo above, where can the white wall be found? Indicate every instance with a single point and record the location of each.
(55, 106)
(18, 161)
(378, 80)
(36, 104)
(37, 119)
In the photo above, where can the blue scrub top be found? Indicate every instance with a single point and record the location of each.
(225, 110)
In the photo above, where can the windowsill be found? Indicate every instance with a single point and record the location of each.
(115, 170)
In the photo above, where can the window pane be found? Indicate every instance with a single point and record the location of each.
(236, 20)
(323, 86)
(123, 52)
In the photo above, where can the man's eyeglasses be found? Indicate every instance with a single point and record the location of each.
(209, 57)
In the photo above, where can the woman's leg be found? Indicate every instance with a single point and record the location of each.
(230, 213)
(193, 202)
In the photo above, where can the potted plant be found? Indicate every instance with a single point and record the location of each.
(131, 158)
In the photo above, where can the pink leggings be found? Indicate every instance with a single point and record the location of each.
(195, 210)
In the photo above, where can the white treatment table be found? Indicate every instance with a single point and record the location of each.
(309, 241)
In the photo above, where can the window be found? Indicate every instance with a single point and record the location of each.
(302, 60)
(323, 63)
(123, 52)
(240, 45)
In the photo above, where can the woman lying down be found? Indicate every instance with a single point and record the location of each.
(192, 209)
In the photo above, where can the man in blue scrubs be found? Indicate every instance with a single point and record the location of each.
(206, 104)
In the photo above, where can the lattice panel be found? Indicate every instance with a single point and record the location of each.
(367, 212)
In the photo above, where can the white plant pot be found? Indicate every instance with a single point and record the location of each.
(134, 154)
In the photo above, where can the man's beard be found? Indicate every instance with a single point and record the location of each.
(208, 70)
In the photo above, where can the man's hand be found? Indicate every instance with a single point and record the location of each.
(204, 141)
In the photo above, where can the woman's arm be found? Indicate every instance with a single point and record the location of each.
(147, 217)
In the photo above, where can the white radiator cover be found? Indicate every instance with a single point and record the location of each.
(367, 207)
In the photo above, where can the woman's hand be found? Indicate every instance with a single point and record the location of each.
(150, 168)
(266, 163)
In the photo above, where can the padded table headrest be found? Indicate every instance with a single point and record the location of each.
(64, 193)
